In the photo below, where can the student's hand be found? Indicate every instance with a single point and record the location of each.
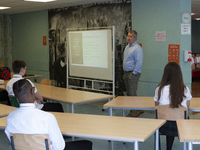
(38, 101)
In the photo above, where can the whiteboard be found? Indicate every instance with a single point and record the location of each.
(90, 53)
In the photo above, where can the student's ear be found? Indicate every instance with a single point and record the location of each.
(32, 91)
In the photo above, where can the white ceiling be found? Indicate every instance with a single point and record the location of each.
(21, 6)
(195, 8)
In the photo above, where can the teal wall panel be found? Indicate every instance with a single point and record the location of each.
(159, 15)
(28, 31)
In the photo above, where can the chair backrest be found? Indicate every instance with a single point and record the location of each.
(29, 141)
(14, 102)
(171, 114)
(1, 64)
(45, 81)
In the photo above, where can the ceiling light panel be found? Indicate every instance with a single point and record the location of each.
(40, 0)
(1, 7)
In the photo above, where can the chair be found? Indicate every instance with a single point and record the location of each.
(14, 102)
(45, 81)
(171, 114)
(1, 64)
(29, 141)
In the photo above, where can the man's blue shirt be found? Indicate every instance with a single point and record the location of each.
(133, 58)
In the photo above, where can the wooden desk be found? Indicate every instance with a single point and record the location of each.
(131, 102)
(195, 104)
(142, 103)
(105, 127)
(189, 131)
(30, 77)
(5, 110)
(70, 96)
(34, 77)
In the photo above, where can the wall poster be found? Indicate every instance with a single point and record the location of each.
(173, 53)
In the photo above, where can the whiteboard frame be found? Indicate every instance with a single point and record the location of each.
(113, 58)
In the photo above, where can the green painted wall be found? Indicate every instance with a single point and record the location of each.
(28, 31)
(159, 15)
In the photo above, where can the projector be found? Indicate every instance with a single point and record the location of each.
(1, 81)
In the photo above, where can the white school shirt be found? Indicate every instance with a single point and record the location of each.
(30, 120)
(165, 100)
(9, 88)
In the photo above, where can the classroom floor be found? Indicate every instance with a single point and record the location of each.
(96, 108)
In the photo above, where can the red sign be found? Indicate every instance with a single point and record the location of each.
(44, 40)
(173, 53)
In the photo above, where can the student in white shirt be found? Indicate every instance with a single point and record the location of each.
(30, 120)
(172, 91)
(19, 69)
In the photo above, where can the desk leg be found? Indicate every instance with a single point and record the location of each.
(157, 140)
(136, 145)
(110, 111)
(184, 146)
(39, 80)
(190, 146)
(72, 108)
(123, 112)
(111, 144)
(72, 105)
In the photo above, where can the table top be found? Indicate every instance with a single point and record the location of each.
(144, 103)
(5, 110)
(104, 127)
(188, 130)
(33, 76)
(66, 95)
(28, 77)
(69, 95)
(137, 102)
(195, 104)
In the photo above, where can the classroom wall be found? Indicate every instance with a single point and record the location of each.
(160, 15)
(147, 17)
(28, 31)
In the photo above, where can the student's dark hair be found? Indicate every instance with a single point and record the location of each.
(17, 65)
(21, 88)
(172, 76)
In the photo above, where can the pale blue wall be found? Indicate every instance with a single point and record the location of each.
(147, 17)
(159, 15)
(28, 31)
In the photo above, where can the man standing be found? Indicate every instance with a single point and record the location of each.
(132, 65)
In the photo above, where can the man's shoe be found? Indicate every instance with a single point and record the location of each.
(138, 112)
(129, 115)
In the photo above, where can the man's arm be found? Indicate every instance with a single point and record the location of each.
(139, 60)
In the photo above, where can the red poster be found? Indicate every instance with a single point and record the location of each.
(44, 40)
(173, 53)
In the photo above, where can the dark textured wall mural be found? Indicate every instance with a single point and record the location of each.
(6, 40)
(94, 15)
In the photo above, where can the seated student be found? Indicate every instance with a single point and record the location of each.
(172, 91)
(19, 69)
(30, 120)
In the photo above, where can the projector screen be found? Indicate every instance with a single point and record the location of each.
(90, 54)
